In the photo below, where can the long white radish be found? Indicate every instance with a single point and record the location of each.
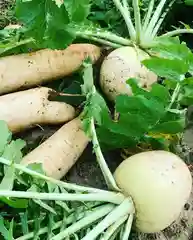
(60, 152)
(120, 65)
(33, 69)
(25, 109)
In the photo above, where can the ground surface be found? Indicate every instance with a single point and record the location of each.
(6, 16)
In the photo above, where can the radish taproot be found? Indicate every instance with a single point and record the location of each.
(35, 68)
(25, 109)
(60, 151)
(159, 183)
(120, 65)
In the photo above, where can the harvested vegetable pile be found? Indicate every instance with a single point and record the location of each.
(99, 85)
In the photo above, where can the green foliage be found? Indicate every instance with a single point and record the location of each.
(95, 105)
(45, 22)
(31, 218)
(148, 116)
(189, 2)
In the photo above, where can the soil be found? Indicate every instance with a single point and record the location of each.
(6, 16)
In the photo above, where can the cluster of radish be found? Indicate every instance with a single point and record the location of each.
(155, 185)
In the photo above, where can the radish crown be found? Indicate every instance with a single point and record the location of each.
(144, 31)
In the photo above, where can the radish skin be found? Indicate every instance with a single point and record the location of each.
(35, 68)
(159, 183)
(120, 65)
(25, 109)
(59, 152)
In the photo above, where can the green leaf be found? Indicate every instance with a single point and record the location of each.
(161, 93)
(158, 91)
(133, 83)
(162, 40)
(171, 127)
(190, 63)
(172, 51)
(113, 140)
(59, 3)
(5, 135)
(45, 22)
(186, 95)
(24, 222)
(3, 230)
(188, 81)
(95, 105)
(130, 125)
(77, 10)
(139, 115)
(15, 203)
(88, 85)
(167, 68)
(189, 2)
(8, 179)
(13, 150)
(37, 167)
(150, 110)
(42, 204)
(97, 108)
(11, 225)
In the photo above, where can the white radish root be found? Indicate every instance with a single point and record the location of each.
(35, 68)
(159, 183)
(25, 109)
(120, 65)
(60, 152)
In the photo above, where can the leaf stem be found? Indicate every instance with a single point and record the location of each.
(115, 198)
(16, 44)
(177, 32)
(101, 161)
(125, 208)
(174, 95)
(68, 220)
(154, 20)
(127, 17)
(158, 25)
(100, 34)
(137, 16)
(65, 185)
(90, 218)
(113, 228)
(128, 226)
(102, 41)
(148, 16)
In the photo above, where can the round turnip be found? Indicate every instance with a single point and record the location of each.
(120, 65)
(159, 183)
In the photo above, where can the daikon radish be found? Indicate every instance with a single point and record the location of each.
(35, 68)
(25, 109)
(159, 183)
(60, 152)
(120, 65)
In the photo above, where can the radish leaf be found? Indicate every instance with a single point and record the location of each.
(45, 22)
(167, 68)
